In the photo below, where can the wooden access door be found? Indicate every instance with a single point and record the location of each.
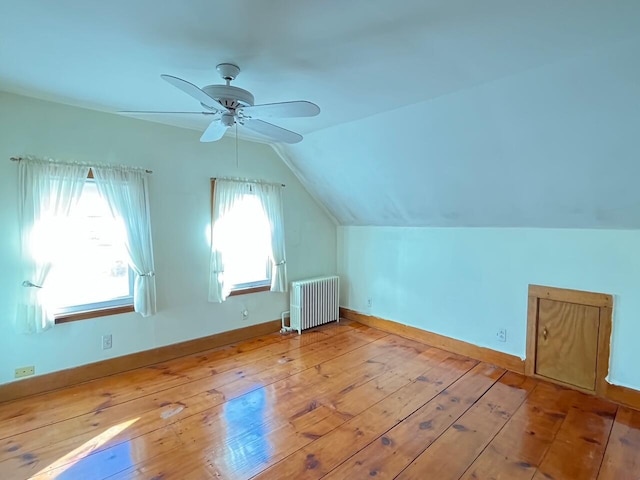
(568, 337)
(567, 343)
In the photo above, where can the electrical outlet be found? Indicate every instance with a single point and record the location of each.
(245, 314)
(25, 371)
(107, 342)
(369, 302)
(502, 335)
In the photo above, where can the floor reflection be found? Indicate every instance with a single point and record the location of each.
(244, 418)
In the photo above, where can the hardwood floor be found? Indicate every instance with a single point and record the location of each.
(341, 401)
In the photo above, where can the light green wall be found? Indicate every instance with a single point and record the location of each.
(467, 283)
(180, 208)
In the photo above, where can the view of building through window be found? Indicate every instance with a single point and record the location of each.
(90, 270)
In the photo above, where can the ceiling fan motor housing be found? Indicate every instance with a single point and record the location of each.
(229, 96)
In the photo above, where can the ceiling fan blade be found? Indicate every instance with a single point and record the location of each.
(147, 112)
(281, 109)
(214, 132)
(279, 134)
(194, 91)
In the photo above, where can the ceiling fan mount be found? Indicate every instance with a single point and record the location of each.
(230, 105)
(228, 71)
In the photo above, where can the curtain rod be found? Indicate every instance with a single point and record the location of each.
(242, 180)
(17, 159)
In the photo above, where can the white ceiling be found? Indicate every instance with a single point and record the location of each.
(443, 113)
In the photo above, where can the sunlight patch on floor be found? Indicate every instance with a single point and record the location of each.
(84, 450)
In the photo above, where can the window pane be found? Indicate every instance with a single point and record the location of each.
(245, 240)
(92, 266)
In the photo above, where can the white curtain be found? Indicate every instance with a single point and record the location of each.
(270, 196)
(225, 194)
(127, 193)
(47, 192)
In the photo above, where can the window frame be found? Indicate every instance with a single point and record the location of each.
(98, 309)
(247, 290)
(88, 314)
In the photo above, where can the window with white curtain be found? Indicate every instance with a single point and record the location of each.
(85, 241)
(247, 239)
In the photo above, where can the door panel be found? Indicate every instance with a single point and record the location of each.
(567, 342)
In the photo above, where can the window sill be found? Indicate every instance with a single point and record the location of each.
(103, 312)
(244, 291)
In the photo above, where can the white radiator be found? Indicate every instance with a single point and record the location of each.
(314, 302)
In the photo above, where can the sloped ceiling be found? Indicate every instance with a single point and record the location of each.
(441, 113)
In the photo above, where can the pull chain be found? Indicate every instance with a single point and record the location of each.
(237, 162)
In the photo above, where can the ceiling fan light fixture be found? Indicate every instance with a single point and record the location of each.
(228, 119)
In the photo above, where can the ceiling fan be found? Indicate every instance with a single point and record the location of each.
(229, 105)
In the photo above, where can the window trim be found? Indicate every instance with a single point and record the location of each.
(247, 290)
(87, 314)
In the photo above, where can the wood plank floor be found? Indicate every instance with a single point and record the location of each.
(342, 401)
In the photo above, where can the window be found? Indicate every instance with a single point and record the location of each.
(244, 236)
(90, 271)
(73, 254)
(247, 239)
